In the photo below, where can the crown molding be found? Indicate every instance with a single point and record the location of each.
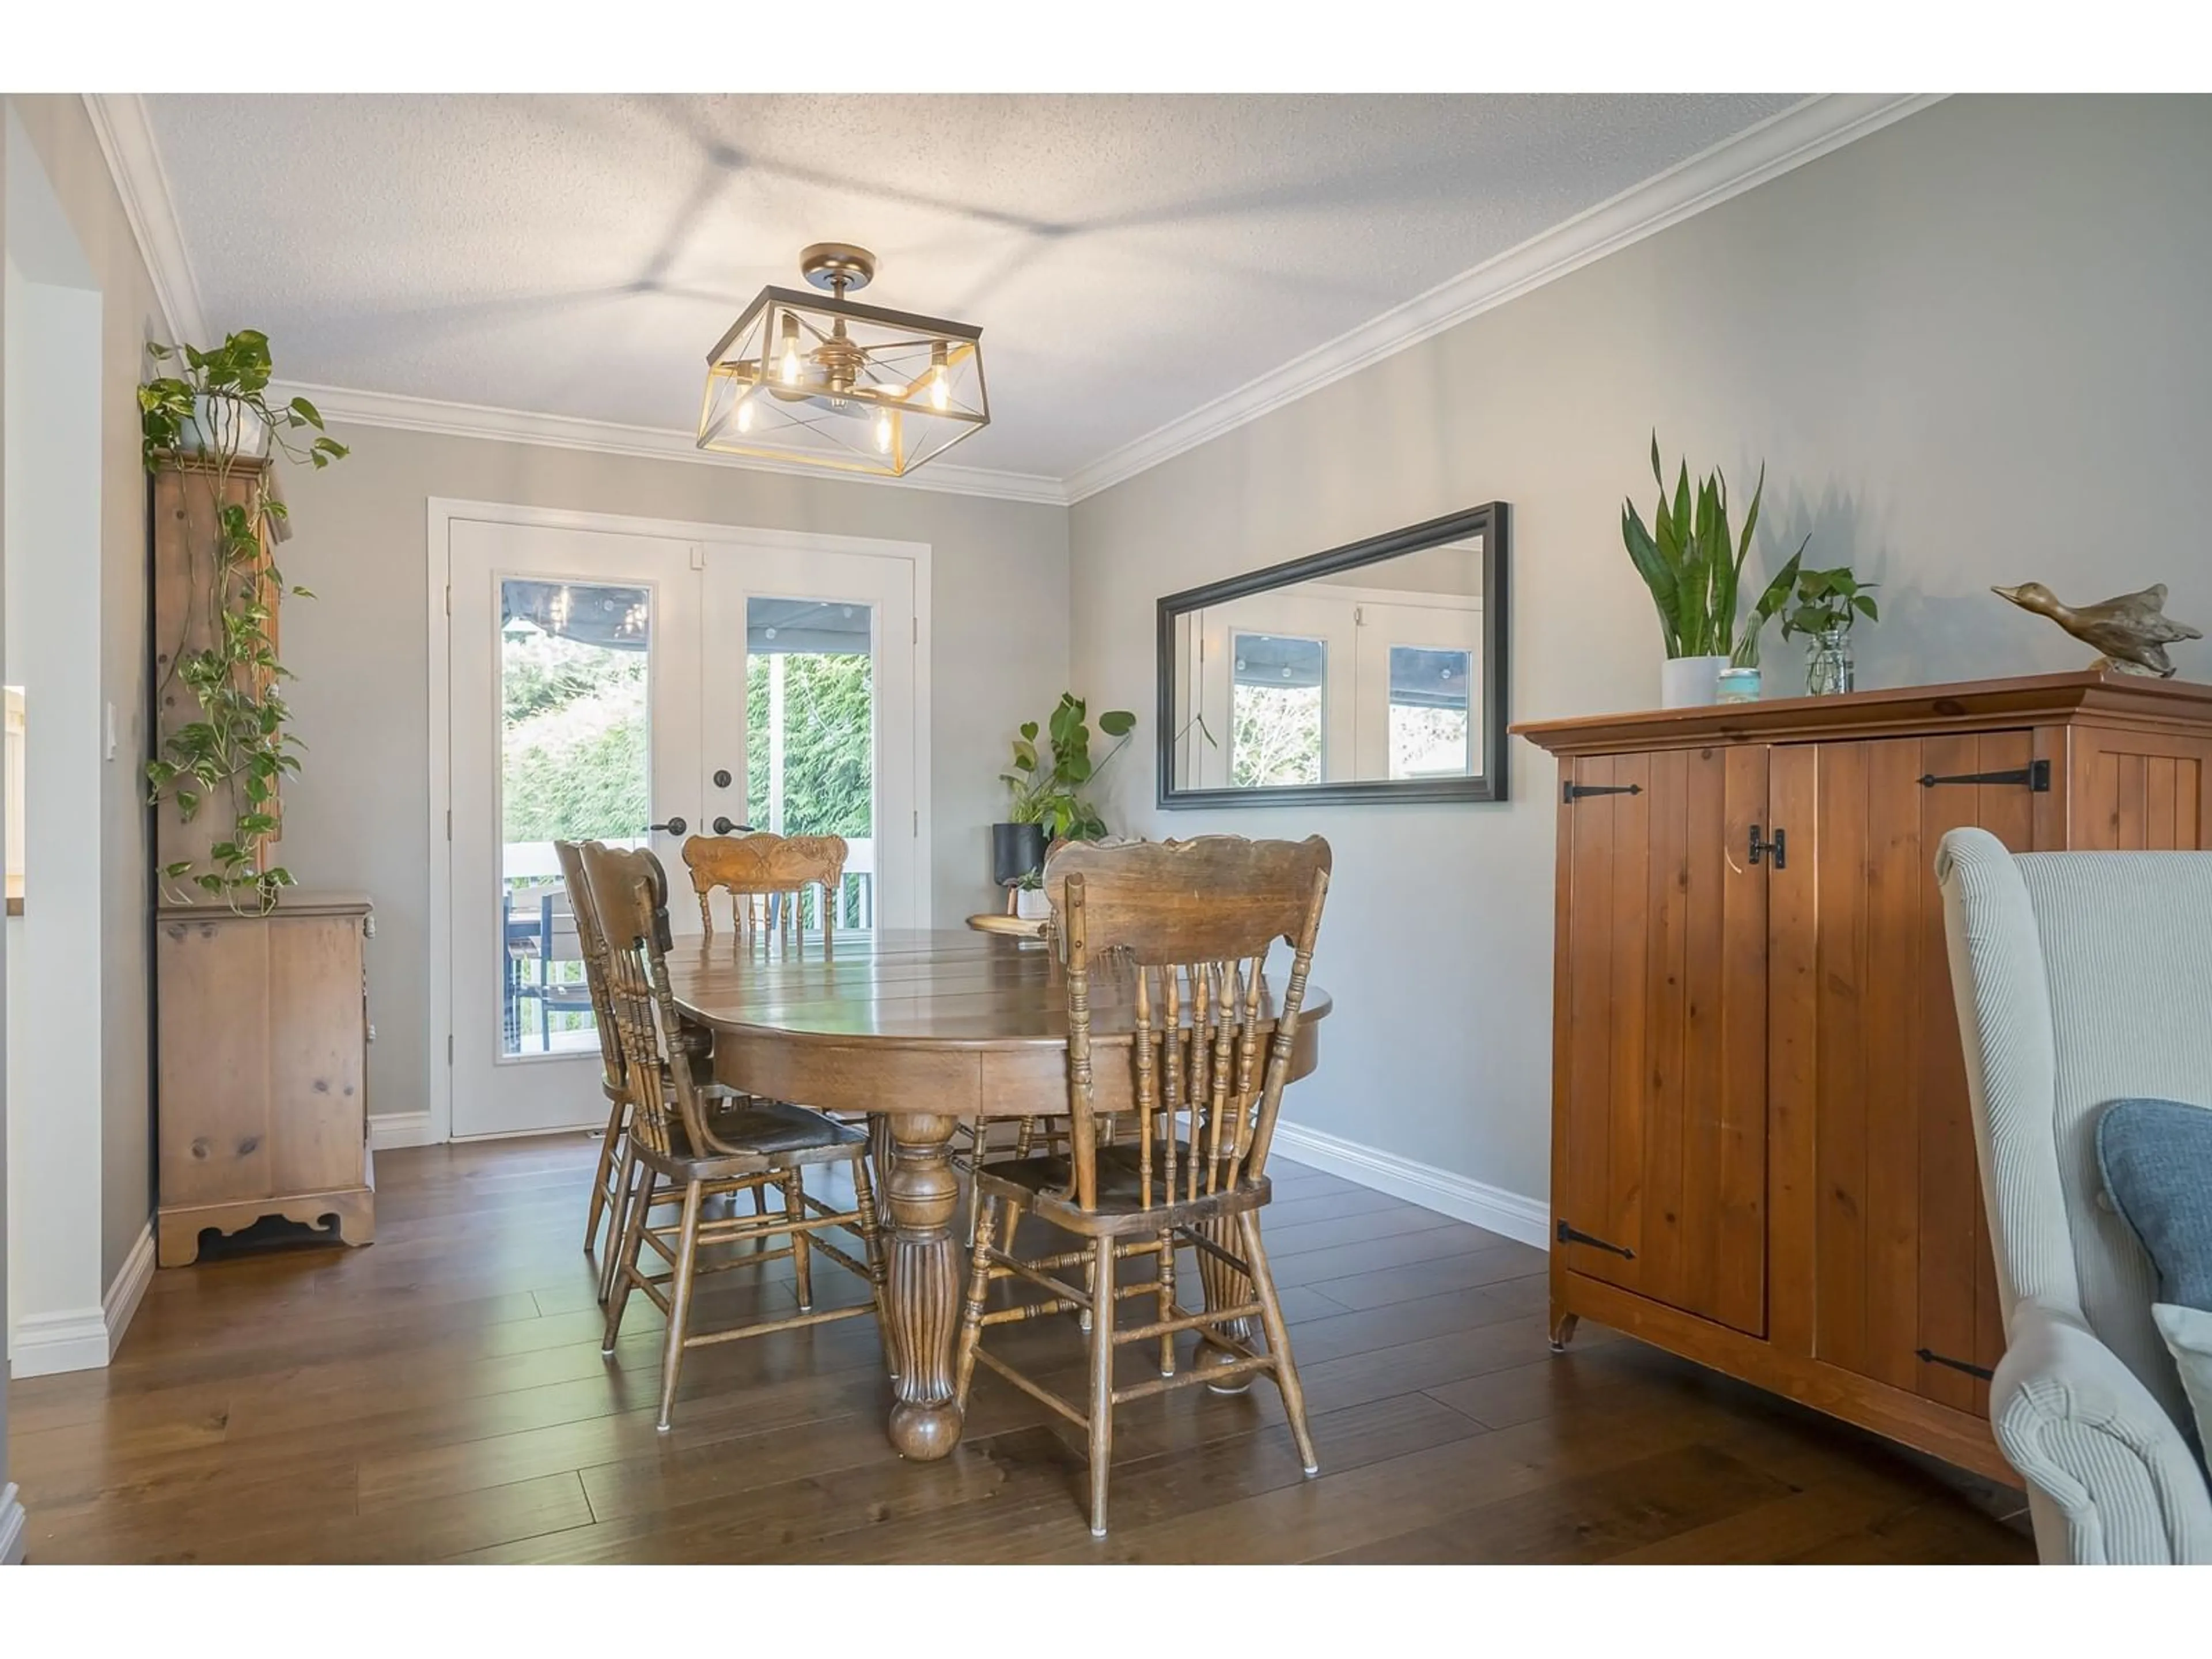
(347, 406)
(1801, 133)
(134, 161)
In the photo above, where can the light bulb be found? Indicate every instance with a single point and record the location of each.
(745, 415)
(883, 434)
(940, 381)
(790, 349)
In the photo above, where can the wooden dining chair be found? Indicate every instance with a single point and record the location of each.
(613, 1079)
(1194, 921)
(765, 877)
(700, 1139)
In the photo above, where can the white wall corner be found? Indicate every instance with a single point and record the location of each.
(1525, 1220)
(120, 1305)
(12, 1526)
(387, 1130)
(120, 123)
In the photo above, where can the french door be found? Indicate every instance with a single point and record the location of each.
(640, 690)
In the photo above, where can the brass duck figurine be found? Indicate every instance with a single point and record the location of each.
(2132, 630)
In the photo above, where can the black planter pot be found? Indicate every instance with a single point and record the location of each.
(1017, 850)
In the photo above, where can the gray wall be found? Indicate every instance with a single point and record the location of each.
(1973, 347)
(357, 817)
(61, 133)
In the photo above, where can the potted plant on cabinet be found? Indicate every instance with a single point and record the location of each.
(1694, 568)
(1045, 781)
(1828, 603)
(223, 746)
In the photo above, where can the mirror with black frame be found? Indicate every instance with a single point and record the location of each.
(1372, 671)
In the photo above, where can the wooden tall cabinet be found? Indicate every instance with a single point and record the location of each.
(263, 1033)
(1762, 1152)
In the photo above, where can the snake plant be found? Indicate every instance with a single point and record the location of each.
(1693, 566)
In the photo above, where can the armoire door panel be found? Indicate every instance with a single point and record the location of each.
(1903, 1287)
(1665, 1184)
(2140, 791)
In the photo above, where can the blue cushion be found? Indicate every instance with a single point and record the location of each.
(2156, 1157)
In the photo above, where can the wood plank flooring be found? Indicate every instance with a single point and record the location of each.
(441, 1396)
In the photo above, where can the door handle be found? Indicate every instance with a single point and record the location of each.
(724, 827)
(1777, 848)
(674, 826)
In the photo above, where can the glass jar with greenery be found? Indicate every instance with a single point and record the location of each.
(1829, 602)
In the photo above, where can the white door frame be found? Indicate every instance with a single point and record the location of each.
(438, 928)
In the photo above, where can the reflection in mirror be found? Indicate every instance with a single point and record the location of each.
(1366, 666)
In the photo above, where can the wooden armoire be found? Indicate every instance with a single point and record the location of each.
(1762, 1155)
(261, 1027)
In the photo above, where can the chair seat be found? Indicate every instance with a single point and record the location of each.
(755, 1135)
(1039, 1185)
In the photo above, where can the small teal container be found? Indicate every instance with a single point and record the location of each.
(1737, 685)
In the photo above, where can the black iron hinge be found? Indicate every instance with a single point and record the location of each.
(1929, 1356)
(1569, 1236)
(2035, 776)
(1572, 792)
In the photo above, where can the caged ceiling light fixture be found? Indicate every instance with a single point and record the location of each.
(826, 382)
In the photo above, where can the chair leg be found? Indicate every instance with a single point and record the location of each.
(622, 1263)
(760, 1198)
(1167, 1271)
(679, 1301)
(1102, 1381)
(971, 1313)
(802, 1264)
(609, 1147)
(627, 1171)
(1278, 1338)
(872, 1252)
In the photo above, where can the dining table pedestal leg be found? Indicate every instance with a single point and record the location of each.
(923, 1195)
(1225, 1287)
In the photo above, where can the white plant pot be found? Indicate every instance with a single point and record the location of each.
(1031, 904)
(216, 422)
(1690, 682)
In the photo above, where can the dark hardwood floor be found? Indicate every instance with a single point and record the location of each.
(441, 1396)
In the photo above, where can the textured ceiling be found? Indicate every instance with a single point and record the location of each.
(1128, 258)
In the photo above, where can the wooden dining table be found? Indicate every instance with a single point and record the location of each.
(923, 1030)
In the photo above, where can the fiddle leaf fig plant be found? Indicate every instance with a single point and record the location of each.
(213, 419)
(1048, 777)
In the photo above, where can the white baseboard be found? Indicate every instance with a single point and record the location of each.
(85, 1339)
(1528, 1220)
(390, 1129)
(120, 1305)
(11, 1527)
(75, 1340)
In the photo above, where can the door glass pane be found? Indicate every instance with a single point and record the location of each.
(1278, 706)
(1429, 724)
(575, 764)
(810, 734)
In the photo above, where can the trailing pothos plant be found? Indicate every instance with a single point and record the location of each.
(211, 413)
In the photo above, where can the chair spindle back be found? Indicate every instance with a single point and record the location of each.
(1192, 922)
(630, 902)
(757, 869)
(592, 944)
